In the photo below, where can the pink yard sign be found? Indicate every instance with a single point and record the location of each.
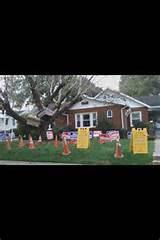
(66, 135)
(113, 135)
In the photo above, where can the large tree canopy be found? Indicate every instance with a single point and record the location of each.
(140, 85)
(55, 92)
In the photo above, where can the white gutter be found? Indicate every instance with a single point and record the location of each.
(87, 97)
(154, 107)
(98, 94)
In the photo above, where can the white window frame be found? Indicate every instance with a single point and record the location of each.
(76, 120)
(131, 120)
(81, 119)
(108, 116)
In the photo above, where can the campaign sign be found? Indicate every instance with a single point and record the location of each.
(73, 135)
(66, 135)
(103, 139)
(96, 133)
(2, 136)
(112, 135)
(49, 135)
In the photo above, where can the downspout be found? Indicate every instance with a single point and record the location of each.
(122, 116)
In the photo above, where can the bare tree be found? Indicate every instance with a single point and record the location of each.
(51, 95)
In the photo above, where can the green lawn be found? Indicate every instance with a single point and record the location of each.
(96, 154)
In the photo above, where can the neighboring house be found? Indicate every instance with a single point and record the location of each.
(119, 109)
(7, 123)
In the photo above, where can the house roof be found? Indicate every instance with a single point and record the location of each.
(150, 100)
(122, 98)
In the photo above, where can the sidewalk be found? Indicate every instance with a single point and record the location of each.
(156, 153)
(5, 162)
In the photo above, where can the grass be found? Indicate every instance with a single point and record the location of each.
(96, 154)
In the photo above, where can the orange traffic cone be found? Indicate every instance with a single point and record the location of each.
(66, 150)
(31, 143)
(55, 142)
(8, 144)
(40, 139)
(21, 143)
(118, 151)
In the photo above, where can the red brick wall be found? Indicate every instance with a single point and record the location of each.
(144, 111)
(61, 121)
(101, 111)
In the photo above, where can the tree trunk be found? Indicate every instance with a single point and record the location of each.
(43, 129)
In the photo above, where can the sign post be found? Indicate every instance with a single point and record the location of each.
(49, 133)
(83, 140)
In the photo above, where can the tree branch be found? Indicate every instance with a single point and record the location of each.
(57, 90)
(35, 92)
(10, 112)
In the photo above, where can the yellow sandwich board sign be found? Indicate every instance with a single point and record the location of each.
(139, 141)
(83, 140)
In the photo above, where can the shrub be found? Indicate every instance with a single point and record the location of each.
(123, 133)
(141, 125)
(58, 130)
(24, 131)
(150, 128)
(104, 125)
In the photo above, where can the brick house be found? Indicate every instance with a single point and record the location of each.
(118, 108)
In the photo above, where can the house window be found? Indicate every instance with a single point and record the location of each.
(7, 119)
(94, 119)
(109, 114)
(14, 122)
(84, 102)
(78, 120)
(136, 117)
(85, 120)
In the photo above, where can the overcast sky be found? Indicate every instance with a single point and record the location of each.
(108, 81)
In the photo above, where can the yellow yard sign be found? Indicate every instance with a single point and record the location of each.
(83, 140)
(139, 141)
